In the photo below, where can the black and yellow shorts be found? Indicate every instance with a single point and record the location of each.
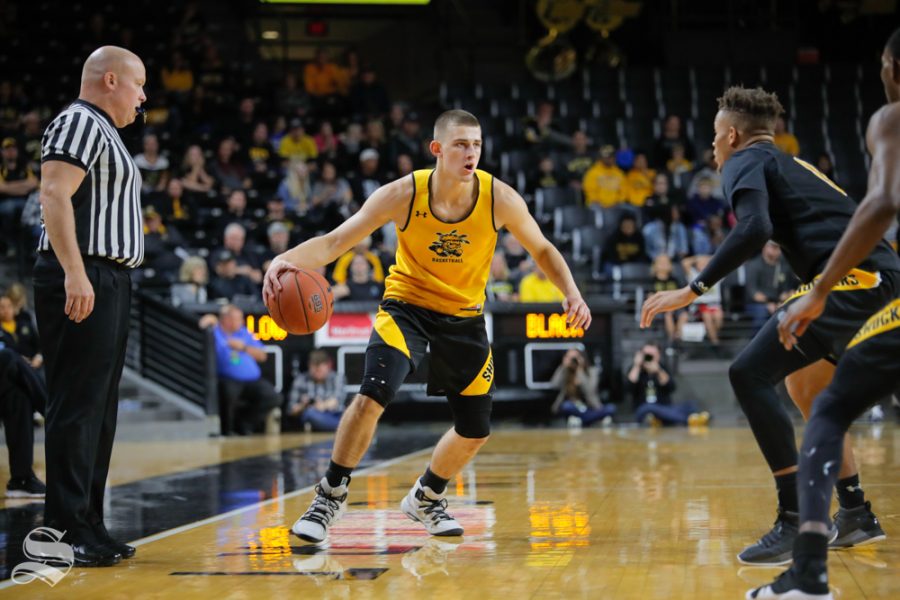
(461, 363)
(856, 298)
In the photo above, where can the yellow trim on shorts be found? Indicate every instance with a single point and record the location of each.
(481, 385)
(856, 279)
(886, 319)
(390, 332)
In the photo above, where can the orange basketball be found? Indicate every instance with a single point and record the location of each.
(304, 304)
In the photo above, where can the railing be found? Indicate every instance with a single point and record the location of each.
(166, 346)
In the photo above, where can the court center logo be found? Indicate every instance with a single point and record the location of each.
(50, 559)
(449, 245)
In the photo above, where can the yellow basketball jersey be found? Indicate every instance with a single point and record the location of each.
(442, 266)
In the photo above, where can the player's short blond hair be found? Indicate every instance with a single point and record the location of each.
(454, 118)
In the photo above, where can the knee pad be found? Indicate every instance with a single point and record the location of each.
(386, 369)
(471, 415)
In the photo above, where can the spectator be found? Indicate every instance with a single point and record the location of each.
(279, 239)
(191, 287)
(409, 140)
(604, 183)
(321, 77)
(177, 77)
(17, 181)
(707, 236)
(679, 167)
(659, 205)
(368, 96)
(769, 283)
(535, 287)
(317, 397)
(241, 125)
(375, 137)
(667, 237)
(368, 179)
(626, 244)
(578, 160)
(247, 401)
(785, 140)
(672, 135)
(500, 288)
(176, 207)
(295, 190)
(516, 256)
(351, 144)
(296, 144)
(236, 211)
(154, 167)
(709, 305)
(234, 239)
(291, 100)
(327, 142)
(262, 160)
(21, 393)
(540, 130)
(639, 182)
(652, 388)
(704, 205)
(546, 176)
(709, 171)
(395, 118)
(195, 178)
(228, 283)
(276, 213)
(361, 285)
(30, 140)
(342, 265)
(19, 296)
(227, 170)
(19, 333)
(664, 281)
(404, 166)
(578, 397)
(162, 244)
(332, 189)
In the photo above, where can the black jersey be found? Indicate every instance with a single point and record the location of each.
(809, 212)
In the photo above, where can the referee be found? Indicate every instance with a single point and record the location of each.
(92, 236)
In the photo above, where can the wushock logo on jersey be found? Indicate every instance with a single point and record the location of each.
(449, 246)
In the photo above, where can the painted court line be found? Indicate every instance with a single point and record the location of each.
(255, 506)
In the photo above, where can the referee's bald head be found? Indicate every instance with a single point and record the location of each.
(113, 78)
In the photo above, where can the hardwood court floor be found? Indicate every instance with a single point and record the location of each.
(617, 513)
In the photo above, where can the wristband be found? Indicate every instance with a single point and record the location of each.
(698, 287)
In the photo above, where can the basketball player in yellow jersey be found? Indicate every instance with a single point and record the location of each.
(447, 221)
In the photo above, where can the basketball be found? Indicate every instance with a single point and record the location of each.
(304, 304)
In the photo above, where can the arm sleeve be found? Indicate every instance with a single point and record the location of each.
(753, 230)
(73, 137)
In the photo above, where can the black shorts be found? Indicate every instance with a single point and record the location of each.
(845, 313)
(461, 363)
(870, 369)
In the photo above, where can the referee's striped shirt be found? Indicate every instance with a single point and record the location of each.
(107, 204)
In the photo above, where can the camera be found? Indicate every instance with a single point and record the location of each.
(649, 357)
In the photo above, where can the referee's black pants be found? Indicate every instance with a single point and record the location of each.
(84, 364)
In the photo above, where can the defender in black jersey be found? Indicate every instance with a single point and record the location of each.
(869, 369)
(779, 197)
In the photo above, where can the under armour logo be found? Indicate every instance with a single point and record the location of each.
(421, 214)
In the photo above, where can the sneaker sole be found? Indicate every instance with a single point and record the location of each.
(308, 538)
(842, 544)
(768, 563)
(21, 494)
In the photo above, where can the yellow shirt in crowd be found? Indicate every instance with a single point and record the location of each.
(534, 288)
(604, 185)
(639, 185)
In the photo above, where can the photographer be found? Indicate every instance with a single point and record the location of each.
(652, 387)
(578, 397)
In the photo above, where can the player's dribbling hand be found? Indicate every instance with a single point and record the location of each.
(271, 283)
(794, 321)
(662, 302)
(577, 312)
(79, 296)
